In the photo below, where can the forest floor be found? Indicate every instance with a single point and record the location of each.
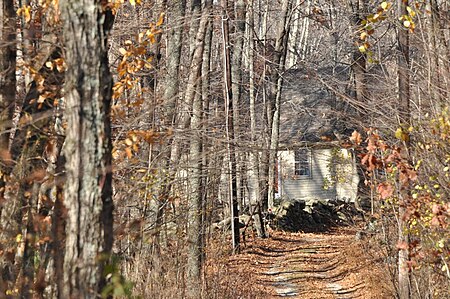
(331, 264)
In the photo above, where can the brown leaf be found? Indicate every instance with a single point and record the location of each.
(435, 221)
(37, 175)
(403, 178)
(412, 174)
(402, 245)
(385, 190)
(436, 209)
(161, 19)
(356, 138)
(364, 159)
(128, 152)
(5, 156)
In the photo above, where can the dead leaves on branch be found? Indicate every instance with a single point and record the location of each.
(415, 179)
(385, 190)
(135, 59)
(48, 11)
(129, 146)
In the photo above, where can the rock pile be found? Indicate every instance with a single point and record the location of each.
(314, 215)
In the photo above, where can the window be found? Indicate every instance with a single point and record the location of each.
(303, 163)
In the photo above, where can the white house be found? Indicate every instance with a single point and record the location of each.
(312, 163)
(317, 171)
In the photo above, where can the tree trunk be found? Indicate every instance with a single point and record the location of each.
(236, 75)
(276, 83)
(228, 94)
(7, 77)
(87, 194)
(193, 279)
(207, 155)
(7, 89)
(359, 58)
(294, 43)
(255, 195)
(404, 94)
(7, 102)
(170, 97)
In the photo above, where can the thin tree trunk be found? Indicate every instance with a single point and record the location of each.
(359, 58)
(436, 62)
(255, 195)
(7, 102)
(303, 40)
(404, 282)
(183, 116)
(193, 279)
(236, 75)
(170, 99)
(173, 52)
(206, 160)
(276, 83)
(7, 77)
(228, 94)
(293, 52)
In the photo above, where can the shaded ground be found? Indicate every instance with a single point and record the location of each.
(315, 215)
(311, 266)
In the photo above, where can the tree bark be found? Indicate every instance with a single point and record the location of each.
(173, 53)
(8, 226)
(7, 87)
(194, 236)
(404, 93)
(236, 75)
(228, 94)
(207, 155)
(359, 58)
(255, 197)
(87, 149)
(276, 84)
(7, 75)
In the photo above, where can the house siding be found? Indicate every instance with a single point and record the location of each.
(348, 178)
(323, 163)
(294, 187)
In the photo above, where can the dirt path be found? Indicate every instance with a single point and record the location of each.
(310, 266)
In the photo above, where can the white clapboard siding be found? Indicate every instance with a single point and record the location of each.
(294, 187)
(323, 162)
(348, 178)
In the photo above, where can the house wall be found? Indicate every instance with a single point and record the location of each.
(347, 176)
(333, 175)
(293, 187)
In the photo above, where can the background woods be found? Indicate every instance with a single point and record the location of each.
(140, 141)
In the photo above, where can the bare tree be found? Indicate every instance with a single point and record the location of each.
(359, 58)
(195, 156)
(404, 94)
(255, 194)
(276, 84)
(231, 149)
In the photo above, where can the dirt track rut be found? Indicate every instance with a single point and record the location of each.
(310, 266)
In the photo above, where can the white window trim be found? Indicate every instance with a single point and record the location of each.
(307, 163)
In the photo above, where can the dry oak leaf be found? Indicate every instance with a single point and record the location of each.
(385, 190)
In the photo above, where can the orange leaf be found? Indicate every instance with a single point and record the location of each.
(128, 152)
(5, 156)
(161, 19)
(402, 245)
(385, 190)
(356, 138)
(123, 51)
(435, 221)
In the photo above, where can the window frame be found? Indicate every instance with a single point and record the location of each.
(303, 161)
